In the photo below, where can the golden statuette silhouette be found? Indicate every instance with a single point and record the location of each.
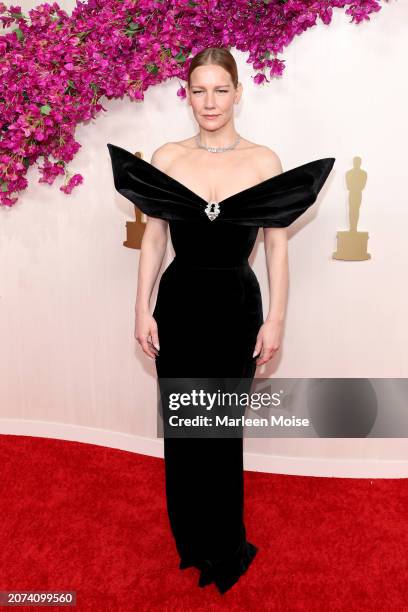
(135, 229)
(351, 244)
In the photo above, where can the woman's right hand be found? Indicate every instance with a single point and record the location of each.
(146, 333)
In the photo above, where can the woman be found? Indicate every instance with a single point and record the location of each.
(213, 191)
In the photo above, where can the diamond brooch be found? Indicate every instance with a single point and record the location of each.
(212, 213)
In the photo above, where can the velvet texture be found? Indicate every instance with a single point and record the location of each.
(275, 202)
(208, 312)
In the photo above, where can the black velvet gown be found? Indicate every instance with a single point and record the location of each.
(209, 311)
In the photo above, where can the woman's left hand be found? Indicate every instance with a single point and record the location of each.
(268, 340)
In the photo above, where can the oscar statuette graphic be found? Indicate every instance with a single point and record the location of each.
(352, 244)
(135, 229)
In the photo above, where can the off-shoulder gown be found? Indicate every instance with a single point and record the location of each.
(209, 311)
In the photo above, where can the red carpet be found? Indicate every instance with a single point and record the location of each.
(92, 519)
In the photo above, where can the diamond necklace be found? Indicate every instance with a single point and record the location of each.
(212, 209)
(217, 149)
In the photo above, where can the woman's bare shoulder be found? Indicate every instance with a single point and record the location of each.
(269, 162)
(267, 159)
(164, 155)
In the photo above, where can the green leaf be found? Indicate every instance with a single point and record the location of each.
(45, 109)
(19, 33)
(152, 68)
(180, 57)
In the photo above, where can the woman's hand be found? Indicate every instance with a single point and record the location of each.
(146, 334)
(268, 340)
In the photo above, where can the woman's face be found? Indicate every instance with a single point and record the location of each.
(212, 96)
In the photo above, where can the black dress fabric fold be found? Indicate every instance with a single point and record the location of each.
(274, 202)
(209, 311)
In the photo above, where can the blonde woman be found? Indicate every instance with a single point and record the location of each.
(213, 191)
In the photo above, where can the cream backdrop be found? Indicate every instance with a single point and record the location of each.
(70, 366)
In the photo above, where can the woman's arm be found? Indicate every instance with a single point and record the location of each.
(152, 252)
(270, 333)
(276, 253)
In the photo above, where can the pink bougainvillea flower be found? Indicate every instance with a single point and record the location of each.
(181, 92)
(75, 180)
(56, 67)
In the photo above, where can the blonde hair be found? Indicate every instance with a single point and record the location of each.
(220, 56)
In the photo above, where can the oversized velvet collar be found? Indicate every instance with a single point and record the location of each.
(274, 202)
